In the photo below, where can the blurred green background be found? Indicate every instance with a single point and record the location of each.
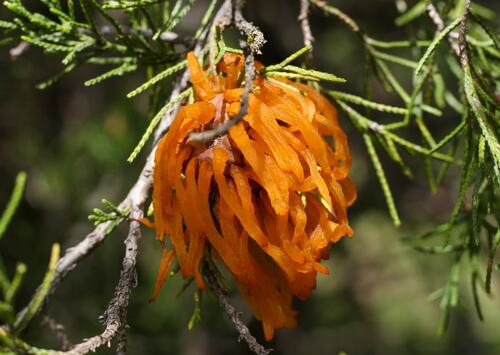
(73, 142)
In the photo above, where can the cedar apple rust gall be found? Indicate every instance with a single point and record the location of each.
(268, 199)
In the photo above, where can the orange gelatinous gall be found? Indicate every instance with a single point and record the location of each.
(268, 198)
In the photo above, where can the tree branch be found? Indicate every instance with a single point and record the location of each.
(321, 4)
(115, 315)
(233, 314)
(255, 38)
(462, 36)
(434, 15)
(306, 28)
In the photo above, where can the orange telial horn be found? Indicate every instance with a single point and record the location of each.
(269, 197)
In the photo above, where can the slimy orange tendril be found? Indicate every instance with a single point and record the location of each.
(269, 198)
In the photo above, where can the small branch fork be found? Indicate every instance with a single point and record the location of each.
(233, 314)
(115, 316)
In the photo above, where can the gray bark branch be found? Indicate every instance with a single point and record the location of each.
(233, 314)
(115, 315)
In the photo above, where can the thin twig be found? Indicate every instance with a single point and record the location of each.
(90, 345)
(58, 329)
(434, 15)
(255, 38)
(233, 314)
(462, 36)
(115, 315)
(306, 29)
(121, 337)
(336, 12)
